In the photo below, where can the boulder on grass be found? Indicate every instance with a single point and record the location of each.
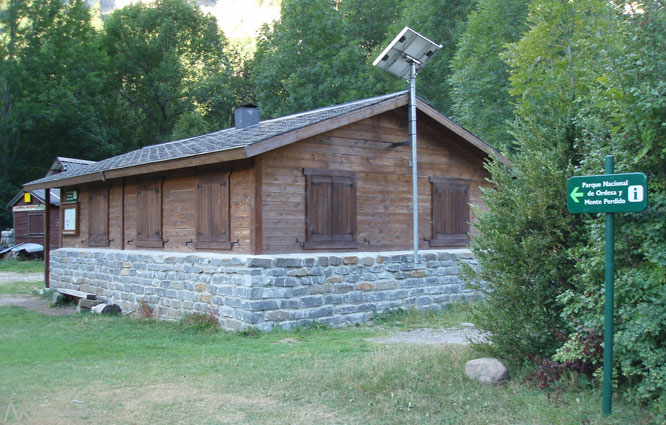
(486, 371)
(113, 310)
(98, 308)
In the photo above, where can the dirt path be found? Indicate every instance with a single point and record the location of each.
(21, 277)
(30, 302)
(35, 303)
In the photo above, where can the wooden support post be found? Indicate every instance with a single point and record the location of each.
(47, 236)
(257, 206)
(122, 213)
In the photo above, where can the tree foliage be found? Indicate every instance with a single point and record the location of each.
(480, 78)
(527, 231)
(167, 59)
(50, 82)
(318, 54)
(626, 117)
(588, 81)
(151, 72)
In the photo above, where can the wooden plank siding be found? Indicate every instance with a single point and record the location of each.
(384, 191)
(267, 193)
(178, 211)
(23, 219)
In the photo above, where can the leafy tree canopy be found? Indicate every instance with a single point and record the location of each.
(442, 21)
(480, 78)
(588, 81)
(318, 54)
(50, 80)
(167, 59)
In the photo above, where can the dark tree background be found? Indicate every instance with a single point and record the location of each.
(554, 84)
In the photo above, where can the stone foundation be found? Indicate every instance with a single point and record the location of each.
(264, 291)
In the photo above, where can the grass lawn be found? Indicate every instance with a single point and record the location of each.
(12, 265)
(19, 288)
(93, 369)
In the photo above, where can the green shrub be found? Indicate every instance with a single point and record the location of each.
(249, 332)
(640, 300)
(199, 322)
(522, 249)
(543, 267)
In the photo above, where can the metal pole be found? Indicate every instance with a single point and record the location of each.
(412, 137)
(610, 295)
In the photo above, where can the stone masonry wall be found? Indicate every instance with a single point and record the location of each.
(264, 291)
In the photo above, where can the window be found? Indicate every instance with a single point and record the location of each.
(330, 209)
(450, 212)
(36, 224)
(212, 222)
(98, 217)
(149, 215)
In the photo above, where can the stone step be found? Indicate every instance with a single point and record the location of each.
(86, 304)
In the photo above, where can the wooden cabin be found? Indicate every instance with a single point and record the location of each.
(28, 207)
(28, 216)
(328, 180)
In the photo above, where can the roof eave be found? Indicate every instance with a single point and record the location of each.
(274, 143)
(462, 132)
(15, 199)
(153, 167)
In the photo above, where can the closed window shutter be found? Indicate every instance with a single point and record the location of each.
(331, 209)
(213, 208)
(344, 209)
(450, 213)
(141, 214)
(149, 213)
(98, 217)
(321, 209)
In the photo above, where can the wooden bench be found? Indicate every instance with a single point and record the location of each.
(84, 299)
(76, 294)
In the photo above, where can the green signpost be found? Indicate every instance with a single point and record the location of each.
(608, 193)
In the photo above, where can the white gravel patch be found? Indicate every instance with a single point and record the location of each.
(432, 336)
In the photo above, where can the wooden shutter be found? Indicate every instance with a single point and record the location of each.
(320, 201)
(343, 209)
(212, 222)
(98, 217)
(331, 209)
(450, 212)
(149, 215)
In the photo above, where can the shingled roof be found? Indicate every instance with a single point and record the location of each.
(62, 164)
(39, 194)
(237, 143)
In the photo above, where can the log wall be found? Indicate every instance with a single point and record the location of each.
(178, 211)
(384, 189)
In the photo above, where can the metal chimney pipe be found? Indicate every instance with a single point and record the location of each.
(246, 115)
